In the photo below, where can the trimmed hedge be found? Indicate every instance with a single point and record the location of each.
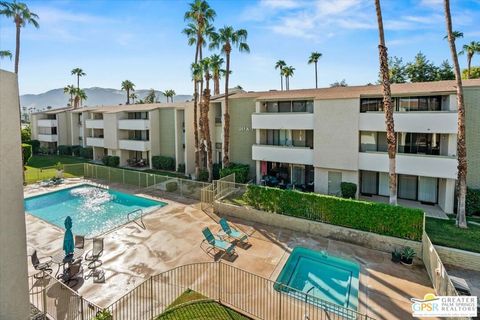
(111, 161)
(181, 168)
(86, 153)
(241, 172)
(373, 217)
(35, 146)
(64, 150)
(349, 190)
(163, 163)
(472, 205)
(202, 175)
(27, 152)
(76, 150)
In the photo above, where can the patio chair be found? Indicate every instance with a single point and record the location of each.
(79, 242)
(94, 255)
(43, 267)
(232, 233)
(71, 274)
(218, 244)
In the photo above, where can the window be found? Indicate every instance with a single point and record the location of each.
(432, 103)
(285, 106)
(298, 138)
(371, 104)
(427, 189)
(368, 182)
(334, 182)
(419, 143)
(368, 141)
(298, 175)
(383, 184)
(272, 107)
(407, 187)
(299, 106)
(290, 106)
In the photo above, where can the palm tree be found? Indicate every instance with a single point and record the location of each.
(199, 15)
(5, 54)
(314, 56)
(79, 97)
(280, 65)
(169, 94)
(197, 76)
(21, 17)
(287, 73)
(206, 67)
(461, 147)
(133, 96)
(225, 39)
(470, 49)
(128, 86)
(216, 63)
(79, 73)
(70, 90)
(388, 107)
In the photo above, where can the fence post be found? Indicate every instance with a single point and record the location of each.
(44, 301)
(82, 317)
(109, 174)
(280, 307)
(138, 179)
(219, 281)
(151, 297)
(123, 176)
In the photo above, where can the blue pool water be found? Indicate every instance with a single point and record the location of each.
(93, 210)
(326, 277)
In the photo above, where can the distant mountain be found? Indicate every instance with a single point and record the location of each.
(96, 97)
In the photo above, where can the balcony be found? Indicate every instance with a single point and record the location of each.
(47, 123)
(95, 142)
(134, 145)
(134, 124)
(413, 164)
(421, 122)
(48, 137)
(94, 124)
(286, 120)
(294, 155)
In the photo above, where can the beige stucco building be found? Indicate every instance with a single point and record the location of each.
(14, 302)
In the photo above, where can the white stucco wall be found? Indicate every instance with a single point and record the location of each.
(14, 302)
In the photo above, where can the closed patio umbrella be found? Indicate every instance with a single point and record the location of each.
(68, 245)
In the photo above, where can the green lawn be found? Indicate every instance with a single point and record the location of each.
(445, 233)
(34, 171)
(191, 305)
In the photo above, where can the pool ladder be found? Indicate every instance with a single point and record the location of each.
(141, 224)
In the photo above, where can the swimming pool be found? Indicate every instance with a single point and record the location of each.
(326, 277)
(93, 210)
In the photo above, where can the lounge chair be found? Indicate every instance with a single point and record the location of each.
(43, 267)
(79, 242)
(218, 244)
(232, 233)
(72, 273)
(94, 255)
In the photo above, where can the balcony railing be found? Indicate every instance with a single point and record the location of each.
(48, 123)
(421, 122)
(286, 154)
(134, 145)
(95, 142)
(134, 124)
(48, 137)
(94, 124)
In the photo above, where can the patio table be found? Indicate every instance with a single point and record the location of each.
(60, 259)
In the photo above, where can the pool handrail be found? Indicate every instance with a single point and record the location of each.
(141, 224)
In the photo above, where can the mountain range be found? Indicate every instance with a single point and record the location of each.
(95, 97)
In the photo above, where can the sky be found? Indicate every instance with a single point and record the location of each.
(115, 40)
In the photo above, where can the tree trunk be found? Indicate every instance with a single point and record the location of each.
(17, 45)
(216, 85)
(195, 119)
(206, 127)
(388, 108)
(461, 146)
(78, 81)
(316, 78)
(226, 115)
(281, 80)
(128, 96)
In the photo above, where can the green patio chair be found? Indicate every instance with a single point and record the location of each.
(218, 244)
(232, 233)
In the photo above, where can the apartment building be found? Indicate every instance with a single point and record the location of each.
(317, 138)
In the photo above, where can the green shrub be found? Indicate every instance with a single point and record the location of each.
(241, 172)
(202, 175)
(76, 150)
(373, 217)
(111, 161)
(181, 168)
(171, 186)
(105, 160)
(27, 152)
(163, 163)
(103, 315)
(216, 171)
(349, 190)
(35, 146)
(64, 150)
(472, 205)
(86, 153)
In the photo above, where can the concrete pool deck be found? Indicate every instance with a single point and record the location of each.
(173, 237)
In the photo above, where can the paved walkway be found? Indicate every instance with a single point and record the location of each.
(173, 237)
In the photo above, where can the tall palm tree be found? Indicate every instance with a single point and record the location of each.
(461, 147)
(169, 94)
(133, 96)
(199, 15)
(225, 39)
(470, 49)
(5, 54)
(314, 56)
(79, 97)
(128, 86)
(216, 63)
(21, 17)
(70, 90)
(280, 65)
(206, 67)
(288, 73)
(79, 73)
(388, 107)
(197, 76)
